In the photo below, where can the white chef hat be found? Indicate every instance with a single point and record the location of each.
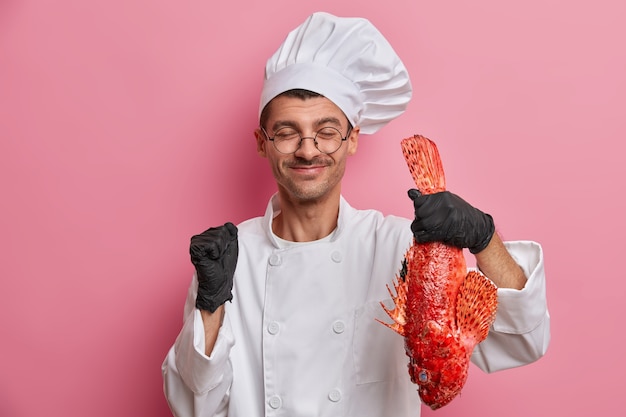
(348, 61)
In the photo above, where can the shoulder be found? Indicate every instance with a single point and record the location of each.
(251, 226)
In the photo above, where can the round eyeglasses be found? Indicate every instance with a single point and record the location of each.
(287, 140)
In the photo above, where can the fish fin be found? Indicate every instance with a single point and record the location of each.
(398, 313)
(422, 158)
(476, 306)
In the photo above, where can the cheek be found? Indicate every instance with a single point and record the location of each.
(275, 164)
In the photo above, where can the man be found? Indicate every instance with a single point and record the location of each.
(299, 335)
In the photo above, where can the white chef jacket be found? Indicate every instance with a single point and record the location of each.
(300, 337)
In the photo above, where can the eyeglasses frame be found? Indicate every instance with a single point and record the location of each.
(343, 139)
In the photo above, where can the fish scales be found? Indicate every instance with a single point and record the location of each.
(440, 309)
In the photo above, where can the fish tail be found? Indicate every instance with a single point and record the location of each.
(422, 158)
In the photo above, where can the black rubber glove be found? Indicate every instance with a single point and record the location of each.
(214, 254)
(446, 217)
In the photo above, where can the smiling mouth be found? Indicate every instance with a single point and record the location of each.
(308, 170)
(305, 167)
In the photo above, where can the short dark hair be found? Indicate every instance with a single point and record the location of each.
(300, 93)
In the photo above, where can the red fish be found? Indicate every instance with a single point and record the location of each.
(442, 311)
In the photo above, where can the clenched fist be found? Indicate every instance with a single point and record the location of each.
(214, 254)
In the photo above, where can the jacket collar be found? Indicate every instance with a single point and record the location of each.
(346, 212)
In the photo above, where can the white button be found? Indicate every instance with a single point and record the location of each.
(275, 260)
(339, 326)
(275, 402)
(273, 327)
(334, 395)
(336, 256)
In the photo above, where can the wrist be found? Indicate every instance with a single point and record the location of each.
(488, 235)
(213, 318)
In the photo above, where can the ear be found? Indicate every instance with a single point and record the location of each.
(261, 142)
(353, 140)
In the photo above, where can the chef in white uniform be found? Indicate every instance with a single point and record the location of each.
(280, 315)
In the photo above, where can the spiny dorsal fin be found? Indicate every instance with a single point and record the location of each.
(398, 314)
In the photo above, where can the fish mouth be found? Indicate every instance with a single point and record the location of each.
(435, 400)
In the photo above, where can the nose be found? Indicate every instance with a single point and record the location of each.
(307, 149)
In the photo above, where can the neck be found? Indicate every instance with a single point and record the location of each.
(306, 221)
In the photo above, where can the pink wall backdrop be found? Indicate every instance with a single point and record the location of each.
(126, 127)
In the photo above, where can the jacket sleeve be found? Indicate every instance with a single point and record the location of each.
(195, 384)
(521, 331)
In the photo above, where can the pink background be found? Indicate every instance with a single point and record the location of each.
(126, 127)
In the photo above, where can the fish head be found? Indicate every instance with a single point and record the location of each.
(439, 365)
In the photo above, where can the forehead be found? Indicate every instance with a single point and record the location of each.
(309, 111)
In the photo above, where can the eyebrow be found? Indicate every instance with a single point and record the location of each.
(320, 122)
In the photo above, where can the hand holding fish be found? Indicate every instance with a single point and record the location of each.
(446, 217)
